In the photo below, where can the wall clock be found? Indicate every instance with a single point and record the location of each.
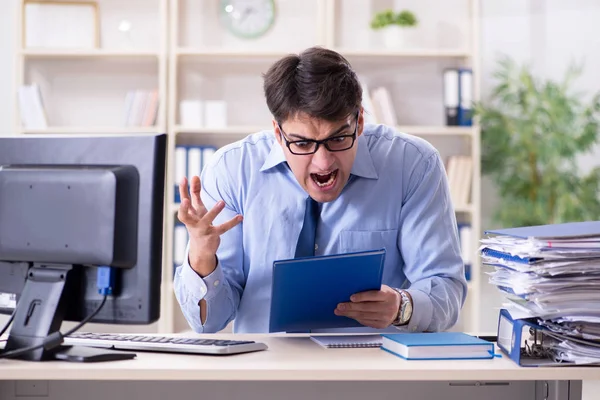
(248, 18)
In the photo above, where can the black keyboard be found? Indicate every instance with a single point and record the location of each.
(163, 344)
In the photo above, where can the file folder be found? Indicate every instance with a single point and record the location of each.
(567, 230)
(523, 341)
(306, 291)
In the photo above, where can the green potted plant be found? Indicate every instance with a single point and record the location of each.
(533, 132)
(392, 25)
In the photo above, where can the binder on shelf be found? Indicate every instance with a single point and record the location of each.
(180, 239)
(180, 169)
(451, 96)
(465, 96)
(465, 238)
(189, 161)
(458, 96)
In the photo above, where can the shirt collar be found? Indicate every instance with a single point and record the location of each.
(363, 163)
(275, 156)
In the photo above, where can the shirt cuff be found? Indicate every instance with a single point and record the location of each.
(422, 311)
(199, 288)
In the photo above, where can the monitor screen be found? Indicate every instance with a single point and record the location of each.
(75, 211)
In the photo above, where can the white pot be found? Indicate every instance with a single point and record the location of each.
(393, 37)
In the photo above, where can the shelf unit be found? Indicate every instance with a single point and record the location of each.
(198, 64)
(185, 53)
(84, 90)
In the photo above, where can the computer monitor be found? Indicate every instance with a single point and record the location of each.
(81, 228)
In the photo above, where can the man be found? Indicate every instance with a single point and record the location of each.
(373, 188)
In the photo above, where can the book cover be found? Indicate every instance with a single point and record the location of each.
(306, 291)
(437, 346)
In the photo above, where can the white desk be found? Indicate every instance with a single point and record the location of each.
(292, 367)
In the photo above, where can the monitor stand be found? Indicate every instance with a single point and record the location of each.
(40, 312)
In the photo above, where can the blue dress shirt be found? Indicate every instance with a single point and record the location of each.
(397, 197)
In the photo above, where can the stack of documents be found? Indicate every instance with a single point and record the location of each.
(551, 274)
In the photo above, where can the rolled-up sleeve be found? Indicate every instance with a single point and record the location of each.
(222, 288)
(433, 263)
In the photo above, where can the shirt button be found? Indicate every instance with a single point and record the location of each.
(216, 283)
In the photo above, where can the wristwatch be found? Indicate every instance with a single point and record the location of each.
(405, 310)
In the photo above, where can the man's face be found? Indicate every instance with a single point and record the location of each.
(324, 173)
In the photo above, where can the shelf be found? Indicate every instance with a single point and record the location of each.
(230, 130)
(414, 53)
(96, 129)
(418, 130)
(79, 53)
(465, 208)
(410, 129)
(224, 53)
(354, 53)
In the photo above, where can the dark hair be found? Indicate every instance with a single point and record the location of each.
(318, 82)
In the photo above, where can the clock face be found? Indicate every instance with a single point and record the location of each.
(248, 18)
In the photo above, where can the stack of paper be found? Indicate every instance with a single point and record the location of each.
(551, 273)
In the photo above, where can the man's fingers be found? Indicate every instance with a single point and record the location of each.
(210, 216)
(224, 227)
(357, 315)
(195, 187)
(183, 189)
(370, 295)
(185, 213)
(366, 306)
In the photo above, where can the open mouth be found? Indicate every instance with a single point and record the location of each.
(324, 180)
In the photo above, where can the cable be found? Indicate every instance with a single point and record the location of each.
(54, 339)
(86, 319)
(10, 320)
(105, 284)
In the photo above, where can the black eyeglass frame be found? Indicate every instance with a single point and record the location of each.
(319, 142)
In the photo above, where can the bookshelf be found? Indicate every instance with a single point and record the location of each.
(180, 48)
(84, 90)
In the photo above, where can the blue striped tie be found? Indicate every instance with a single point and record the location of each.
(306, 240)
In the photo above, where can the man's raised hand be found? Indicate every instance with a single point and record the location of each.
(205, 237)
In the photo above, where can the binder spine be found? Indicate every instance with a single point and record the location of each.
(505, 256)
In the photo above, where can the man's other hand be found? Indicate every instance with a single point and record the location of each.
(374, 308)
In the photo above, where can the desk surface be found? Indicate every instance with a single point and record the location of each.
(293, 358)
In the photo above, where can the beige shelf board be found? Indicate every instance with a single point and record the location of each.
(241, 130)
(94, 130)
(420, 130)
(405, 53)
(85, 53)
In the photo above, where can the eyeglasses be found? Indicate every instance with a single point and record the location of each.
(310, 146)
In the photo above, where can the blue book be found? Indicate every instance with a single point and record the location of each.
(307, 290)
(437, 346)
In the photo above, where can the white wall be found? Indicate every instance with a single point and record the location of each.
(548, 35)
(7, 43)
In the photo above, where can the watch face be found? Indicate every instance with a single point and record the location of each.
(248, 18)
(407, 312)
